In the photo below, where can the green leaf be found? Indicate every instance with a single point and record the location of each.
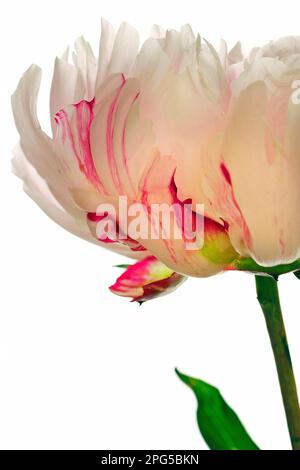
(124, 266)
(218, 423)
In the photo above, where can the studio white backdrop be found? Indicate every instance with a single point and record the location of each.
(79, 367)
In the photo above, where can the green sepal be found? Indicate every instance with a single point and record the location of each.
(124, 266)
(249, 265)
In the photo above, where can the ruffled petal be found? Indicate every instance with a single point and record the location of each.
(36, 145)
(38, 190)
(67, 87)
(85, 61)
(259, 164)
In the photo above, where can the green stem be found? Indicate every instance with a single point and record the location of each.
(268, 297)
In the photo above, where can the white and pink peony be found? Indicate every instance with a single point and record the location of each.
(172, 120)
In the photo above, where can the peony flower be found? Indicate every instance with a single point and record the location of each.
(210, 138)
(171, 122)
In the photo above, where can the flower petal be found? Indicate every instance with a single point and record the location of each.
(261, 154)
(36, 145)
(147, 279)
(67, 87)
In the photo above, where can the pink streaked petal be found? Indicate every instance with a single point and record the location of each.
(246, 232)
(121, 140)
(121, 238)
(110, 130)
(160, 288)
(107, 240)
(74, 124)
(146, 279)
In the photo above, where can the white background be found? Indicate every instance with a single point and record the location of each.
(79, 367)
